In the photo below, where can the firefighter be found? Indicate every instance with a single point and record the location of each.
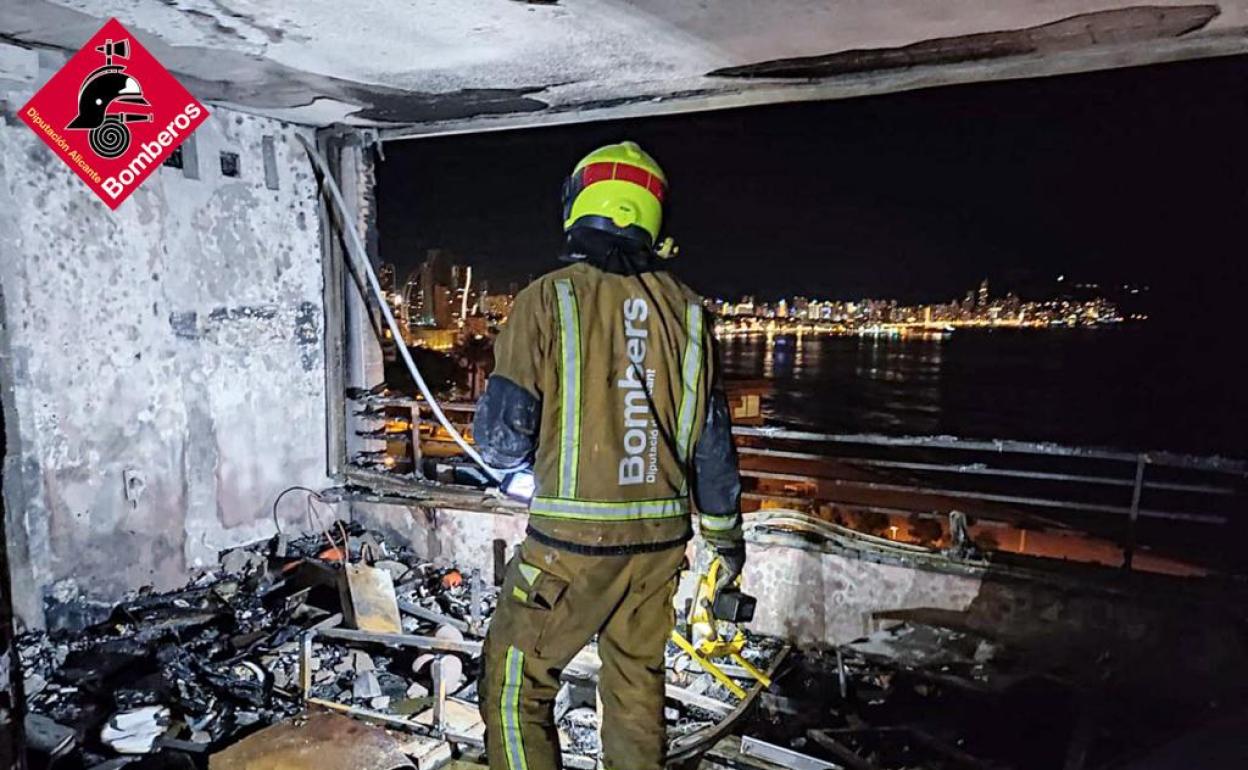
(606, 385)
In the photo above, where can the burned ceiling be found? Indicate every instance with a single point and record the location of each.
(1139, 24)
(443, 65)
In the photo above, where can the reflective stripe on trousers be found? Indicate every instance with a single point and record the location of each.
(513, 739)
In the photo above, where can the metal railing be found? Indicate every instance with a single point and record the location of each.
(1186, 506)
(1182, 505)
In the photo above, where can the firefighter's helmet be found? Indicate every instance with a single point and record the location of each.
(618, 189)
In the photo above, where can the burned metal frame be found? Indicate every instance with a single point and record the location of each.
(333, 267)
(779, 755)
(353, 355)
(1003, 446)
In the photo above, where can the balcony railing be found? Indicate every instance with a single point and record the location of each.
(1181, 512)
(1157, 511)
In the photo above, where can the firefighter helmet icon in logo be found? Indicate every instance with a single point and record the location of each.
(112, 113)
(107, 101)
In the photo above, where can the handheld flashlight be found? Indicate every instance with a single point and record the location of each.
(520, 485)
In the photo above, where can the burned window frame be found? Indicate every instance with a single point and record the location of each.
(354, 355)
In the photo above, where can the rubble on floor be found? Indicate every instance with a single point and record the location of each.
(272, 657)
(288, 642)
(907, 696)
(922, 695)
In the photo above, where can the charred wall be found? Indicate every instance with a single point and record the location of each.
(1147, 631)
(466, 538)
(1182, 634)
(162, 365)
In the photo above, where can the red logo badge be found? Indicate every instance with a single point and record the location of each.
(113, 113)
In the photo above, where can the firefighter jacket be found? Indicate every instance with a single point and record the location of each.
(607, 382)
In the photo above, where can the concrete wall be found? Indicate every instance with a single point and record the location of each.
(175, 345)
(811, 598)
(822, 599)
(463, 538)
(1143, 631)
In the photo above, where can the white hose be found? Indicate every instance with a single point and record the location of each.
(363, 266)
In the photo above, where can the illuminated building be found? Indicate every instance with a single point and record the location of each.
(435, 290)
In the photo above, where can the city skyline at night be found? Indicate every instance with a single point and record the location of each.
(1119, 177)
(443, 303)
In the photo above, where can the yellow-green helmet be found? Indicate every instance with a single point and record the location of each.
(617, 189)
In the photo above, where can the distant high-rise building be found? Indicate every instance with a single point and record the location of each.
(436, 290)
(983, 294)
(443, 307)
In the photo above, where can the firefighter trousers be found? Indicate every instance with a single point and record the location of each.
(552, 604)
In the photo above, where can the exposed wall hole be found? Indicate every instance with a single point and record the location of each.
(175, 158)
(229, 163)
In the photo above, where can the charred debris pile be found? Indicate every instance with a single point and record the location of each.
(292, 642)
(344, 649)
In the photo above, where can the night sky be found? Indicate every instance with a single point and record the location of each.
(1133, 175)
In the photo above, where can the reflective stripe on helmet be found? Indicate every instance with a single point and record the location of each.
(570, 397)
(602, 172)
(557, 508)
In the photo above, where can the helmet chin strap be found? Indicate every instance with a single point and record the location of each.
(666, 249)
